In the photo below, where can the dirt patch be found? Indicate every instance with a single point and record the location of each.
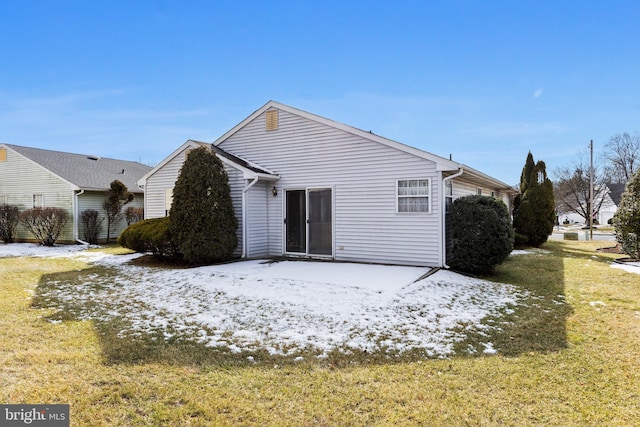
(617, 249)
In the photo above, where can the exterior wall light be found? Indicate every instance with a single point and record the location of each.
(274, 191)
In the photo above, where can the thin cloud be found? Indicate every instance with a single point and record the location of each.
(538, 93)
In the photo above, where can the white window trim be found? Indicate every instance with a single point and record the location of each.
(428, 196)
(33, 200)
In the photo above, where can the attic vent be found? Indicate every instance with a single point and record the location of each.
(272, 119)
(96, 158)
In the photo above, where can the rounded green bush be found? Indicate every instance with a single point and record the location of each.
(151, 235)
(482, 234)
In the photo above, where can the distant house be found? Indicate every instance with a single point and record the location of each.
(33, 177)
(306, 186)
(611, 198)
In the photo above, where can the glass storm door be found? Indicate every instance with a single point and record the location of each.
(296, 221)
(309, 221)
(320, 224)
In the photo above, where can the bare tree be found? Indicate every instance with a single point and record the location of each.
(623, 155)
(572, 186)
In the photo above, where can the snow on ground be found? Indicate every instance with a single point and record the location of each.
(631, 267)
(290, 306)
(36, 250)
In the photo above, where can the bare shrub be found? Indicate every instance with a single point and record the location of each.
(133, 215)
(45, 224)
(91, 225)
(9, 219)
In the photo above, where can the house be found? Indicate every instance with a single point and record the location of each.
(307, 186)
(33, 177)
(606, 207)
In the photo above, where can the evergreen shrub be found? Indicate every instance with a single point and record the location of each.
(202, 221)
(150, 235)
(627, 218)
(482, 234)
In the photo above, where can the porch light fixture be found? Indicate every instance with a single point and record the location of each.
(274, 191)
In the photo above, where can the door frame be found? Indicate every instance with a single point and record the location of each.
(307, 189)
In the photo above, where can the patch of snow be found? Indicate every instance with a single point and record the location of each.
(631, 267)
(488, 348)
(289, 307)
(35, 250)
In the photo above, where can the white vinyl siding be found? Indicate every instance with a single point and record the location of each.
(363, 175)
(257, 222)
(414, 195)
(21, 179)
(93, 200)
(157, 186)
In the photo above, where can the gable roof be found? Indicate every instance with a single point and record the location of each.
(442, 164)
(615, 192)
(85, 172)
(250, 170)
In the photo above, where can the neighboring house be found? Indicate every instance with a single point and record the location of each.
(608, 208)
(611, 202)
(32, 177)
(303, 185)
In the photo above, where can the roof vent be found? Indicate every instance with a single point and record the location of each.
(96, 158)
(272, 119)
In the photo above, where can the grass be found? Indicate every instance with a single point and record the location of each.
(570, 355)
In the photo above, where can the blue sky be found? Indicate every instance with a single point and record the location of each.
(485, 81)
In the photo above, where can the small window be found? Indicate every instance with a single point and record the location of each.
(540, 177)
(272, 119)
(413, 195)
(38, 201)
(448, 195)
(168, 200)
(479, 191)
(3, 154)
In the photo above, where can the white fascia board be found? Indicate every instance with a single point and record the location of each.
(489, 179)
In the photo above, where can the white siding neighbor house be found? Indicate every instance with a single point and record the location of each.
(33, 177)
(307, 186)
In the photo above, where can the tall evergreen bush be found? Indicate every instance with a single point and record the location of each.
(627, 218)
(534, 211)
(202, 221)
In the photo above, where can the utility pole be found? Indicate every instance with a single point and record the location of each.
(591, 193)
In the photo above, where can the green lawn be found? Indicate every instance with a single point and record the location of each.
(569, 356)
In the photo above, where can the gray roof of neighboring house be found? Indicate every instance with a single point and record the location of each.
(615, 192)
(85, 171)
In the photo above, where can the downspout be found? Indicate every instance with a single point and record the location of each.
(443, 221)
(244, 216)
(76, 215)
